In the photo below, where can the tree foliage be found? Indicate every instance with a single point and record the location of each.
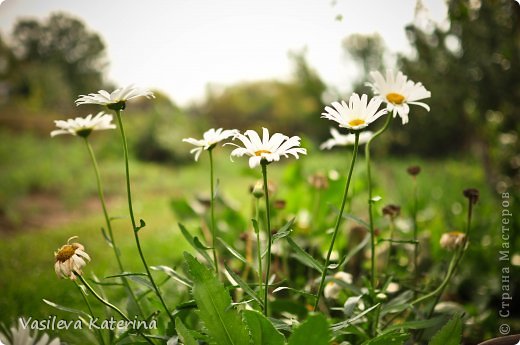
(53, 60)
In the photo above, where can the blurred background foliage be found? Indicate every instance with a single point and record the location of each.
(470, 64)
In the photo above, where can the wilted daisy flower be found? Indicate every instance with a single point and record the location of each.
(269, 148)
(452, 240)
(332, 289)
(70, 259)
(209, 139)
(355, 115)
(115, 100)
(21, 335)
(397, 91)
(339, 139)
(84, 126)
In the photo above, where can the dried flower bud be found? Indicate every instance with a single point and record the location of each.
(319, 181)
(392, 210)
(472, 194)
(452, 240)
(414, 170)
(280, 204)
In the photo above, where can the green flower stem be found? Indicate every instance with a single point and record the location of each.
(258, 247)
(91, 313)
(416, 245)
(131, 211)
(455, 259)
(110, 305)
(338, 221)
(109, 226)
(212, 206)
(370, 203)
(269, 235)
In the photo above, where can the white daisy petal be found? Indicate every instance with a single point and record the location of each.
(84, 126)
(268, 149)
(397, 91)
(210, 138)
(103, 97)
(357, 114)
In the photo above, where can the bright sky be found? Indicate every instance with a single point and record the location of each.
(179, 46)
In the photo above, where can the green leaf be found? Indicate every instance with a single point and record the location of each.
(233, 251)
(262, 330)
(255, 226)
(194, 244)
(343, 324)
(136, 277)
(450, 333)
(301, 292)
(314, 330)
(67, 309)
(397, 304)
(184, 333)
(418, 324)
(244, 285)
(222, 321)
(304, 257)
(393, 338)
(354, 251)
(356, 219)
(284, 230)
(172, 273)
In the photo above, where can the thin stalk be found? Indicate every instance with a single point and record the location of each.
(110, 305)
(416, 245)
(212, 207)
(91, 313)
(269, 235)
(370, 203)
(131, 211)
(109, 226)
(338, 221)
(258, 247)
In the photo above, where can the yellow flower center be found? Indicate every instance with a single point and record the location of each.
(260, 152)
(356, 122)
(395, 98)
(65, 253)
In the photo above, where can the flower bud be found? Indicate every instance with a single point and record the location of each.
(452, 240)
(319, 181)
(392, 211)
(472, 194)
(414, 170)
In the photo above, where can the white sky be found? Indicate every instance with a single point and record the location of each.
(179, 46)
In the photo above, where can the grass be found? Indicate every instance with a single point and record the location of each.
(26, 259)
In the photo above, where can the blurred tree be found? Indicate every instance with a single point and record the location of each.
(473, 71)
(368, 52)
(288, 107)
(55, 60)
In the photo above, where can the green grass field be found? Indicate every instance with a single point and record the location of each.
(36, 167)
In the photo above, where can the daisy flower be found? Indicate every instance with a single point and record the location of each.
(21, 335)
(397, 91)
(115, 100)
(339, 139)
(452, 240)
(84, 126)
(355, 115)
(269, 149)
(209, 139)
(70, 259)
(332, 289)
